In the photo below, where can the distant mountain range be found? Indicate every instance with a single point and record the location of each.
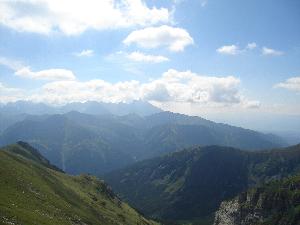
(141, 108)
(191, 184)
(78, 142)
(16, 111)
(32, 191)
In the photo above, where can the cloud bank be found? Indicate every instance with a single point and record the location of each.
(172, 86)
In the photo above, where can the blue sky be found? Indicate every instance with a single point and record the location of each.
(196, 57)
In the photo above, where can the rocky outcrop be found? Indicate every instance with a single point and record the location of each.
(234, 212)
(277, 203)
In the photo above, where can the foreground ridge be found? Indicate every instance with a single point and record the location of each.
(33, 192)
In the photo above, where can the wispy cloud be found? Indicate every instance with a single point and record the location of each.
(251, 46)
(271, 52)
(235, 49)
(203, 3)
(25, 72)
(251, 104)
(11, 64)
(85, 53)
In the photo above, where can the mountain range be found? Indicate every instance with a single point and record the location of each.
(96, 144)
(16, 111)
(141, 108)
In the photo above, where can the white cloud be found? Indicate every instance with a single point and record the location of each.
(235, 50)
(271, 52)
(75, 17)
(229, 50)
(50, 74)
(25, 71)
(190, 87)
(292, 84)
(251, 46)
(85, 53)
(172, 86)
(141, 57)
(175, 39)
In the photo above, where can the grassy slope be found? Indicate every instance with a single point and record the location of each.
(31, 193)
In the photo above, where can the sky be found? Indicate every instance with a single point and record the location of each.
(212, 58)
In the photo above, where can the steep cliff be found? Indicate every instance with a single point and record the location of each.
(276, 203)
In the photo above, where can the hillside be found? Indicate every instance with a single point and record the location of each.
(96, 144)
(34, 192)
(191, 184)
(276, 203)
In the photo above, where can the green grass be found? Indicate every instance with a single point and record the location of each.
(31, 193)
